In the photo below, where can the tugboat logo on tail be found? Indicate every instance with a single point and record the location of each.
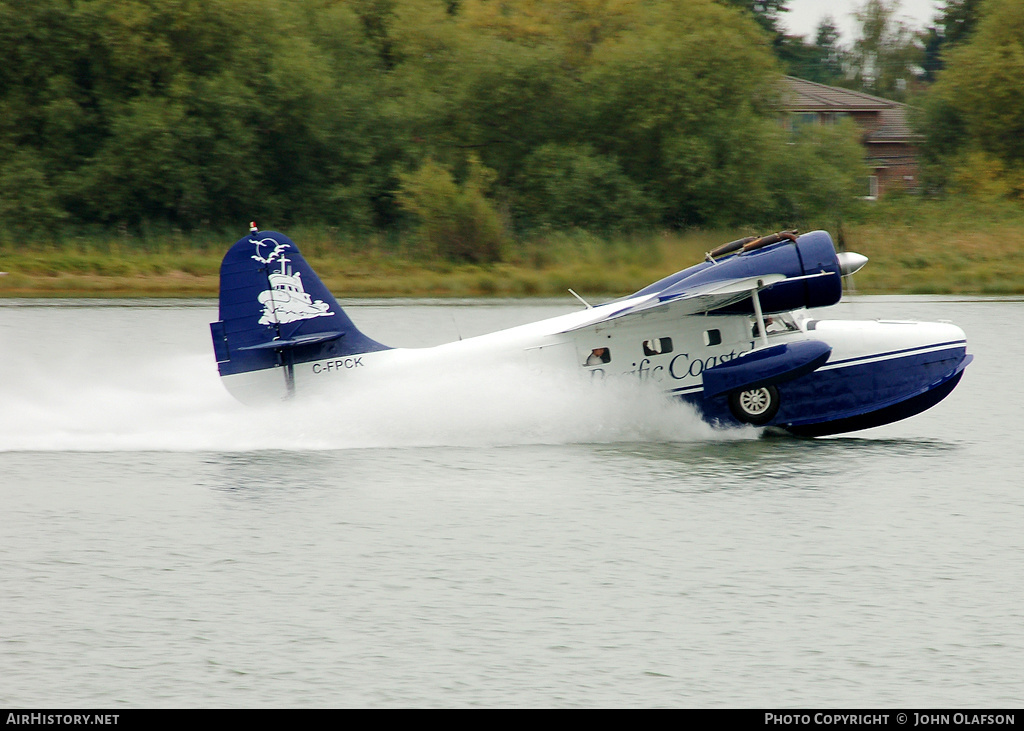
(286, 299)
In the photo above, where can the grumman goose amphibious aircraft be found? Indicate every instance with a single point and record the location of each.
(734, 336)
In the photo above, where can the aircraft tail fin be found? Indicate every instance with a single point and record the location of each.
(275, 311)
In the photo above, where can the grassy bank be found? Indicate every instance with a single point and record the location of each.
(915, 247)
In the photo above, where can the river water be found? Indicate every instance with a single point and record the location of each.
(462, 541)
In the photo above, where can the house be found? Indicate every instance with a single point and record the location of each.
(889, 143)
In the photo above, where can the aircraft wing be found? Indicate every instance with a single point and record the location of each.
(691, 301)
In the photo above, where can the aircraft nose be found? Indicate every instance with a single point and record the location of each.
(947, 331)
(949, 339)
(850, 262)
(941, 333)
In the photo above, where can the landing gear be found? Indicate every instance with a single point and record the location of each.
(756, 406)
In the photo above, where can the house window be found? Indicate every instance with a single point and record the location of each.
(713, 337)
(803, 119)
(872, 187)
(833, 117)
(658, 346)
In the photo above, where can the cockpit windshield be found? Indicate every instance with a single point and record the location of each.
(780, 322)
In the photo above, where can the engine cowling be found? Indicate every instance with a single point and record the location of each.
(810, 254)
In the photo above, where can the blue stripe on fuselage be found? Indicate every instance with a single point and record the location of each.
(893, 353)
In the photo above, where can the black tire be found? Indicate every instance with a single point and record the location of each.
(755, 406)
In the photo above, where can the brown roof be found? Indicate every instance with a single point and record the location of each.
(809, 96)
(894, 126)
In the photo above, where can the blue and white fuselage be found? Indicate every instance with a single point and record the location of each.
(735, 336)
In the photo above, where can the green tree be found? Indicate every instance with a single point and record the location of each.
(28, 202)
(685, 103)
(456, 220)
(46, 121)
(575, 186)
(828, 161)
(830, 53)
(974, 115)
(573, 27)
(822, 61)
(193, 111)
(767, 13)
(886, 54)
(597, 113)
(953, 25)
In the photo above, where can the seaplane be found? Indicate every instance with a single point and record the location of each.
(735, 336)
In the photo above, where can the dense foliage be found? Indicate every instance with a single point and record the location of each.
(973, 117)
(466, 120)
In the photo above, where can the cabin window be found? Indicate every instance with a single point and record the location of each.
(713, 337)
(658, 346)
(599, 356)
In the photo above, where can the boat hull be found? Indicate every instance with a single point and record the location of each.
(859, 393)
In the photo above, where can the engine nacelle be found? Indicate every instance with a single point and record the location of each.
(810, 254)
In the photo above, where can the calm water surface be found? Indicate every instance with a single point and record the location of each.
(469, 540)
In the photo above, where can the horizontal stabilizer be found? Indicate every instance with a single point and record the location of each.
(766, 367)
(296, 342)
